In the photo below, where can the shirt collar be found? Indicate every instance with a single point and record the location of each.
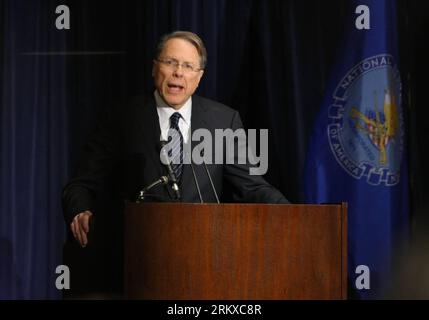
(185, 111)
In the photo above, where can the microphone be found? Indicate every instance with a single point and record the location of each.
(171, 174)
(210, 177)
(161, 181)
(195, 178)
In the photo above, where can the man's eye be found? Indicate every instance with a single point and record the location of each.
(188, 66)
(169, 62)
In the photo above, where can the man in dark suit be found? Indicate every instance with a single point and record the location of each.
(127, 141)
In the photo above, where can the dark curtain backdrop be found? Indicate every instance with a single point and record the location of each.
(268, 59)
(33, 151)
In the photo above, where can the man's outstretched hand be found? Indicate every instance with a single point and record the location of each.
(80, 227)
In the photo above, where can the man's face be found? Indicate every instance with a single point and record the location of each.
(174, 84)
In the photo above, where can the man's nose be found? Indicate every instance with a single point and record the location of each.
(178, 71)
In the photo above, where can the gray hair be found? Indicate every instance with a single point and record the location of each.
(190, 37)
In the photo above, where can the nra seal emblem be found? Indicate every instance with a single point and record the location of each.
(366, 128)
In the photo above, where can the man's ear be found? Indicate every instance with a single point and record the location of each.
(200, 76)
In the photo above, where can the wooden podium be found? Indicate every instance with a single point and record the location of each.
(177, 251)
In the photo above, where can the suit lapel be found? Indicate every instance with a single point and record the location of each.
(198, 121)
(151, 133)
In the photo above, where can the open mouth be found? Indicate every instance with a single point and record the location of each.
(174, 88)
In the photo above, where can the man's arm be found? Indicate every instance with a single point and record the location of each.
(249, 188)
(97, 161)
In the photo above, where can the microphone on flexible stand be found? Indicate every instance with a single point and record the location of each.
(210, 177)
(161, 181)
(172, 176)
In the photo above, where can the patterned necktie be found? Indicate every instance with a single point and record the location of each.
(176, 139)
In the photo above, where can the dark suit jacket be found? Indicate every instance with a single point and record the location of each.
(126, 145)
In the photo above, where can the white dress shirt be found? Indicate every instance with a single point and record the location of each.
(165, 112)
